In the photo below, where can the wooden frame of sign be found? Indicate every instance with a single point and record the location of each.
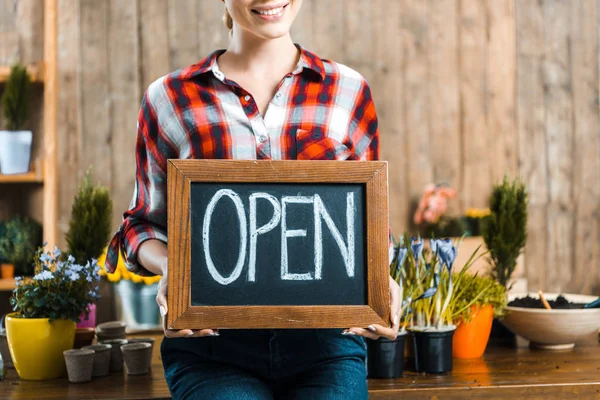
(183, 315)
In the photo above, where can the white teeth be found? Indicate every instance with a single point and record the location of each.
(273, 11)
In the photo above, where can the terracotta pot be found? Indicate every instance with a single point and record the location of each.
(83, 337)
(471, 338)
(8, 271)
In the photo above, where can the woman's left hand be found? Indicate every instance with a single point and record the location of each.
(376, 331)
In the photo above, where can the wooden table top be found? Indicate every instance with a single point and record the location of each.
(502, 373)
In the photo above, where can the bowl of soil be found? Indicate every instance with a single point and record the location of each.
(556, 329)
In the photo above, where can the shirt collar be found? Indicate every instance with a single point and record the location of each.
(307, 61)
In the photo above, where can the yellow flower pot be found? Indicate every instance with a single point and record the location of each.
(36, 346)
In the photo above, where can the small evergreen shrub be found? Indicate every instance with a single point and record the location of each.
(505, 229)
(15, 99)
(90, 224)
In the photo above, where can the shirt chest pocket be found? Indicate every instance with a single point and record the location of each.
(319, 147)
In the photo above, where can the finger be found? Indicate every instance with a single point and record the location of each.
(389, 333)
(363, 332)
(170, 333)
(205, 333)
(396, 303)
(161, 300)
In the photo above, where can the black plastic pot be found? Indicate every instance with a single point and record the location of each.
(385, 358)
(433, 351)
(501, 335)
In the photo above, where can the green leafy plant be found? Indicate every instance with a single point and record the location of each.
(59, 290)
(478, 291)
(427, 282)
(15, 99)
(90, 224)
(505, 229)
(18, 244)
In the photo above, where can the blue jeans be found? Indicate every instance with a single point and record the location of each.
(317, 364)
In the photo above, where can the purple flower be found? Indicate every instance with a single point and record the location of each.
(427, 294)
(71, 259)
(44, 275)
(56, 252)
(446, 252)
(417, 248)
(45, 258)
(74, 276)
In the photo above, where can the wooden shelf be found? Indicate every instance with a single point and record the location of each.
(35, 175)
(36, 71)
(7, 285)
(30, 177)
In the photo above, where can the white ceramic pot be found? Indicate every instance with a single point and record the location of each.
(15, 151)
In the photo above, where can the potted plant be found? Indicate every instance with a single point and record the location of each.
(505, 235)
(18, 245)
(386, 357)
(47, 306)
(135, 296)
(89, 230)
(433, 290)
(15, 142)
(478, 301)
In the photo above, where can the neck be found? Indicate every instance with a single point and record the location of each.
(255, 55)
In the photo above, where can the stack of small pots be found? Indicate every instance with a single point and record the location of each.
(109, 354)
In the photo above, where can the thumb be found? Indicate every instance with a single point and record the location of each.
(161, 299)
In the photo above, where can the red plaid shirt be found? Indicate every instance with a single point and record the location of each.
(322, 110)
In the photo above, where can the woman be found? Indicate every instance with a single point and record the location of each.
(262, 98)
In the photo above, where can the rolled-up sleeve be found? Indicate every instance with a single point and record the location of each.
(363, 132)
(146, 217)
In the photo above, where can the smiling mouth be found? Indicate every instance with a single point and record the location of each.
(272, 11)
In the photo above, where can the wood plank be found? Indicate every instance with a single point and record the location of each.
(30, 177)
(50, 111)
(444, 96)
(124, 86)
(472, 81)
(586, 168)
(358, 36)
(30, 27)
(415, 27)
(9, 46)
(96, 145)
(213, 33)
(559, 136)
(501, 373)
(387, 88)
(531, 125)
(69, 112)
(7, 285)
(328, 22)
(183, 33)
(501, 88)
(303, 28)
(154, 43)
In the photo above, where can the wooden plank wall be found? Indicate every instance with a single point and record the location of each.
(466, 90)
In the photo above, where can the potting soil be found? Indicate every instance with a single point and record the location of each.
(533, 302)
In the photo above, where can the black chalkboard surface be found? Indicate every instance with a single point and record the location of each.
(277, 244)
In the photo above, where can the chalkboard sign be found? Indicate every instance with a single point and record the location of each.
(277, 244)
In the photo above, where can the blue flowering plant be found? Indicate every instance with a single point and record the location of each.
(60, 289)
(430, 289)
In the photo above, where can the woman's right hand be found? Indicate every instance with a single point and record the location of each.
(161, 299)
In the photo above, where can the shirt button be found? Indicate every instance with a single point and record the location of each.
(262, 138)
(247, 98)
(278, 95)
